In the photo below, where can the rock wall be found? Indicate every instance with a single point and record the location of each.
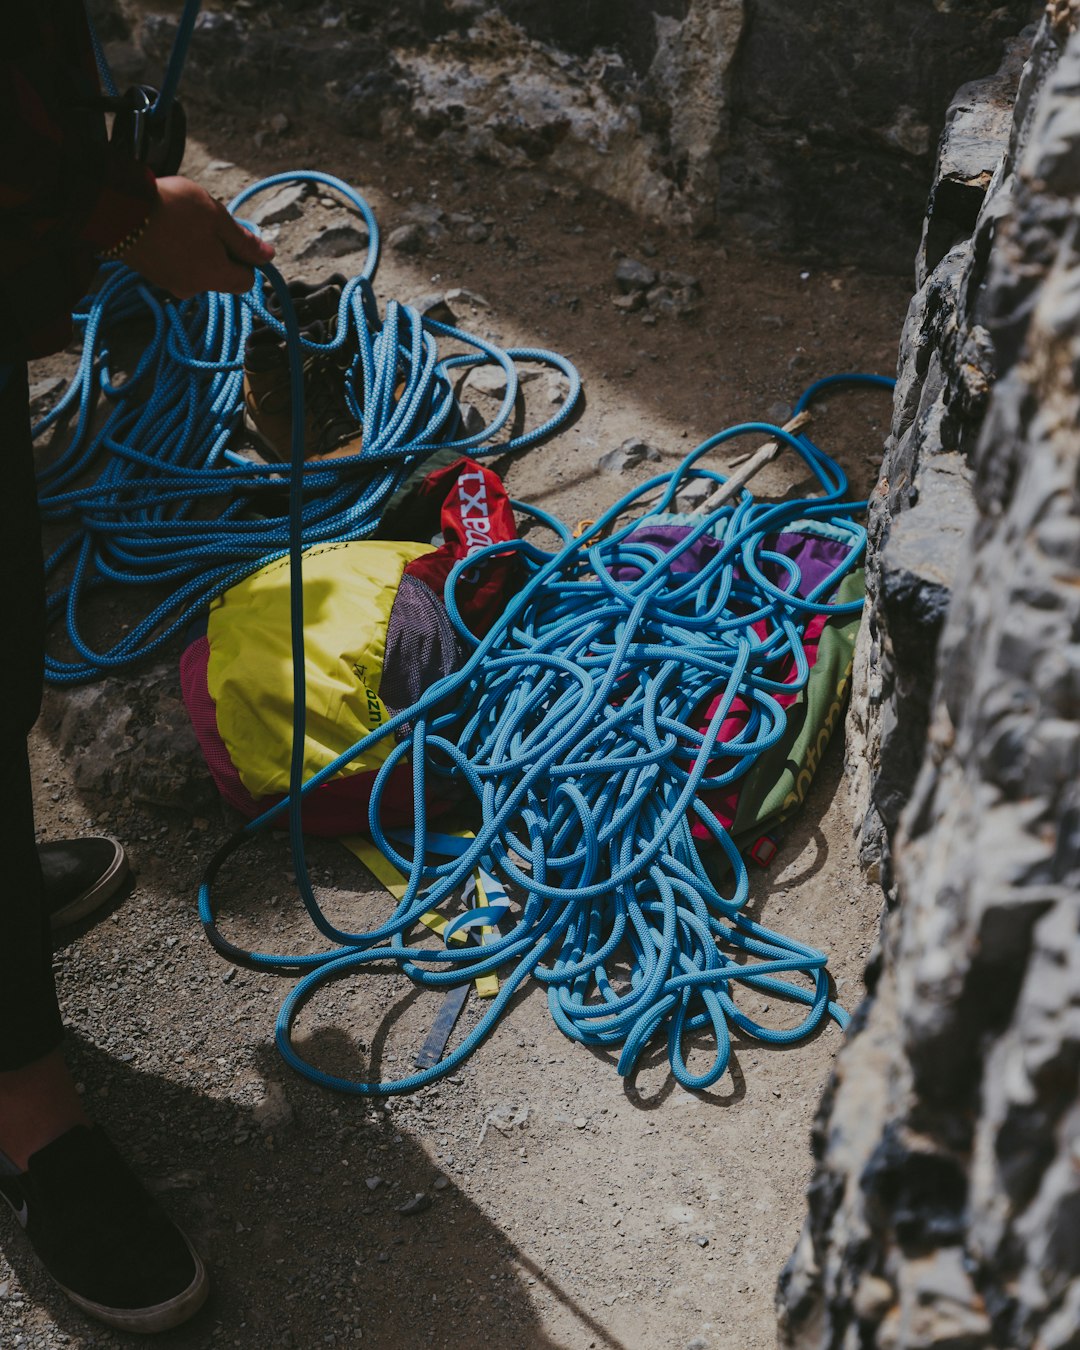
(807, 127)
(922, 512)
(945, 1209)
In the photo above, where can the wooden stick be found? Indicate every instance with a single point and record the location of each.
(762, 456)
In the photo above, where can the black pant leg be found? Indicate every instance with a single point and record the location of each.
(29, 1017)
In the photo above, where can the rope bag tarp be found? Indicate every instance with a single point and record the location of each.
(376, 635)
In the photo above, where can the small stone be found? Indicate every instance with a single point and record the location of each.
(406, 238)
(694, 494)
(628, 455)
(424, 213)
(279, 124)
(631, 275)
(680, 281)
(701, 1240)
(416, 1205)
(478, 233)
(219, 165)
(373, 1183)
(433, 305)
(686, 301)
(336, 242)
(459, 295)
(580, 1122)
(631, 302)
(229, 975)
(278, 206)
(489, 380)
(440, 1183)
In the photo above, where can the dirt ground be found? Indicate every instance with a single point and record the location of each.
(565, 1207)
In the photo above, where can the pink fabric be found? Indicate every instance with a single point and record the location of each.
(724, 803)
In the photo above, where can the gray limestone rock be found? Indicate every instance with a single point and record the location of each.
(922, 511)
(947, 1215)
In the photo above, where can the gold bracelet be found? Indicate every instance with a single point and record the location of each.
(129, 241)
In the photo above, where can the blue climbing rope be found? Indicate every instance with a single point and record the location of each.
(149, 483)
(576, 731)
(575, 727)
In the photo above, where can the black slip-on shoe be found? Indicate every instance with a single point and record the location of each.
(106, 1242)
(80, 875)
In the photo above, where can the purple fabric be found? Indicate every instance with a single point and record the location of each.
(815, 556)
(666, 537)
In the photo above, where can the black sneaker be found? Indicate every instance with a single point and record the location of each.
(80, 875)
(108, 1245)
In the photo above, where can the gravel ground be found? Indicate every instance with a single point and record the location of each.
(561, 1206)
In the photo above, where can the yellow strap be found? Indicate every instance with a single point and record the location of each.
(487, 986)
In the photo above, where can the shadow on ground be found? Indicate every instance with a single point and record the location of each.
(338, 1263)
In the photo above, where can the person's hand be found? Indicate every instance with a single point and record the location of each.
(192, 244)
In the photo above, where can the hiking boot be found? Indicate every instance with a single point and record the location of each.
(110, 1247)
(329, 425)
(80, 875)
(311, 301)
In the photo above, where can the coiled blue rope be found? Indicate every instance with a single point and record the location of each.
(157, 495)
(576, 729)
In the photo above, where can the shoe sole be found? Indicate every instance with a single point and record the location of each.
(102, 891)
(162, 1317)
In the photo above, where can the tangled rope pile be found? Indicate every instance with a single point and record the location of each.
(577, 729)
(157, 494)
(586, 725)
